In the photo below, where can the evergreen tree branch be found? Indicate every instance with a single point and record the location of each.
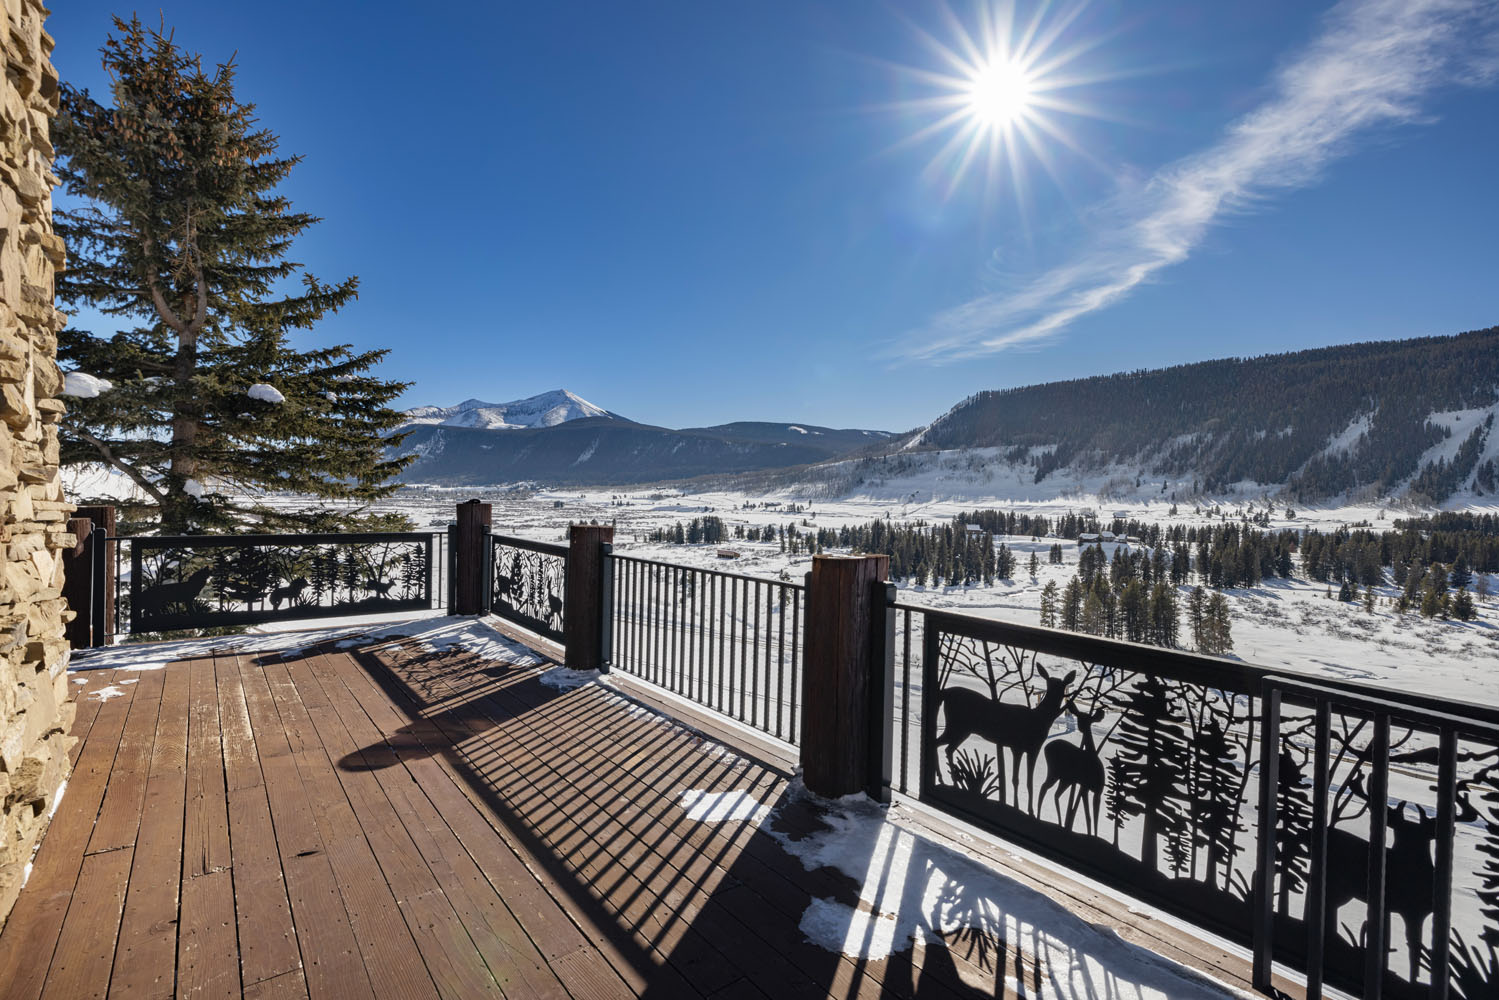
(106, 453)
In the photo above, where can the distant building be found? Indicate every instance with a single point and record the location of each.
(1087, 538)
(1106, 536)
(728, 553)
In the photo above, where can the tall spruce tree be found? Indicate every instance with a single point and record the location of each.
(181, 237)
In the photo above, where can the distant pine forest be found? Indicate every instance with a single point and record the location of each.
(1268, 419)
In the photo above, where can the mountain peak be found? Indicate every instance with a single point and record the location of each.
(547, 409)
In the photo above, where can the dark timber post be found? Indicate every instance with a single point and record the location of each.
(471, 549)
(845, 678)
(583, 604)
(88, 577)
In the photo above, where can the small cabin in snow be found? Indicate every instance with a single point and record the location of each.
(728, 553)
(1106, 536)
(1086, 538)
(975, 529)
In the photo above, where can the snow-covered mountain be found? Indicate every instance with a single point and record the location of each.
(546, 410)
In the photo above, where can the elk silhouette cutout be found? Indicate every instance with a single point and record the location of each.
(554, 603)
(156, 599)
(1409, 886)
(1021, 729)
(1078, 770)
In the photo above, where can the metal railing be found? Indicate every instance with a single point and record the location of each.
(171, 583)
(528, 583)
(1299, 818)
(1188, 780)
(1368, 838)
(729, 642)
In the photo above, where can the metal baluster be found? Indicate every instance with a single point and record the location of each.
(676, 628)
(1264, 876)
(694, 642)
(755, 664)
(1379, 802)
(1316, 886)
(905, 703)
(718, 682)
(743, 647)
(704, 638)
(636, 624)
(1441, 898)
(780, 594)
(796, 664)
(733, 640)
(657, 611)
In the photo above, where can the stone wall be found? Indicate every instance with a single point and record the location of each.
(35, 714)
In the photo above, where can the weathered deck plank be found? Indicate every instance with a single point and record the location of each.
(146, 955)
(35, 923)
(267, 936)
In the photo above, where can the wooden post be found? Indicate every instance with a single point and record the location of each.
(82, 585)
(471, 563)
(844, 675)
(583, 605)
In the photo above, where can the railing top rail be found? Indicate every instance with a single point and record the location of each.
(1482, 722)
(795, 585)
(320, 538)
(516, 542)
(1175, 664)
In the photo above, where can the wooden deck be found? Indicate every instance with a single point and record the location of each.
(391, 822)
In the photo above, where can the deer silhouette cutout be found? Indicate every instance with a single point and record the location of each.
(380, 588)
(157, 599)
(1408, 860)
(288, 592)
(1076, 769)
(554, 603)
(1021, 729)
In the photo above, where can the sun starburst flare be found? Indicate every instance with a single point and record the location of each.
(998, 99)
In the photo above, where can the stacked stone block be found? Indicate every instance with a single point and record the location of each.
(35, 714)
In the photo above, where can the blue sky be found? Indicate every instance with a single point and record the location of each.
(691, 213)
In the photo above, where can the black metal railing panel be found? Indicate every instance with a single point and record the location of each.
(528, 583)
(1385, 842)
(1149, 770)
(728, 642)
(200, 581)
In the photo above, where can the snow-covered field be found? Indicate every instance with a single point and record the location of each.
(1287, 625)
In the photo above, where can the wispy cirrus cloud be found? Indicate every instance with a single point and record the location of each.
(1371, 66)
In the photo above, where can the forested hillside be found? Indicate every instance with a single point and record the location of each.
(1322, 421)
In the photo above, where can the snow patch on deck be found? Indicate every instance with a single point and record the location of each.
(565, 679)
(723, 807)
(912, 888)
(432, 635)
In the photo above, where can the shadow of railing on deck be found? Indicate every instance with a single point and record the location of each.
(591, 792)
(612, 844)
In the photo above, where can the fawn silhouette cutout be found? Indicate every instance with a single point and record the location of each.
(1021, 729)
(1076, 769)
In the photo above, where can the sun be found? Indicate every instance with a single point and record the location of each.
(999, 94)
(997, 98)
